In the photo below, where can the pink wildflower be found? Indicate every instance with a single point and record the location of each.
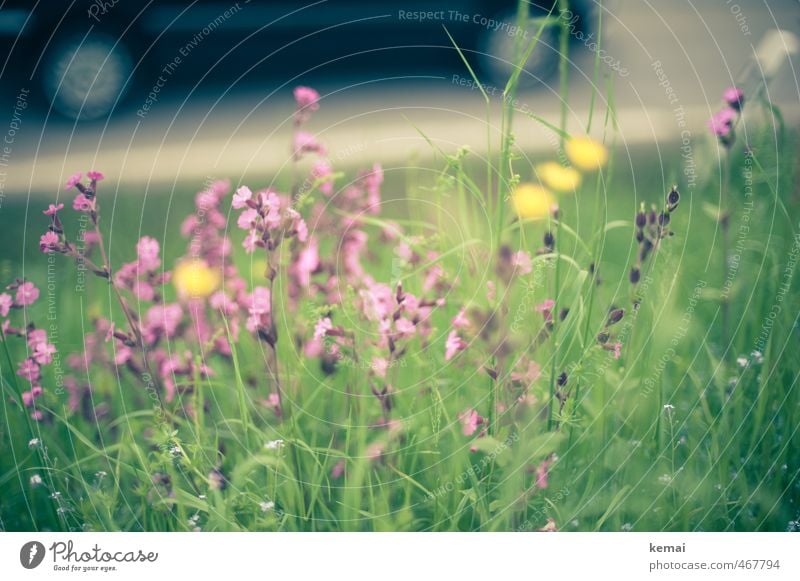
(247, 219)
(26, 294)
(29, 370)
(306, 98)
(73, 181)
(460, 321)
(43, 354)
(453, 345)
(522, 260)
(95, 176)
(53, 209)
(241, 197)
(305, 142)
(81, 203)
(734, 97)
(48, 242)
(5, 304)
(546, 308)
(147, 250)
(322, 327)
(470, 420)
(721, 123)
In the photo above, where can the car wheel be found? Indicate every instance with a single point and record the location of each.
(84, 78)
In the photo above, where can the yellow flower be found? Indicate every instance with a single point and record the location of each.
(557, 177)
(195, 279)
(586, 154)
(532, 201)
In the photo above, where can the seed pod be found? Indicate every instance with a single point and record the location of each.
(673, 197)
(615, 316)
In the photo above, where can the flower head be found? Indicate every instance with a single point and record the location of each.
(6, 303)
(95, 176)
(307, 99)
(532, 201)
(195, 279)
(470, 420)
(52, 209)
(147, 251)
(453, 345)
(721, 123)
(48, 242)
(241, 197)
(81, 203)
(734, 97)
(27, 294)
(73, 181)
(558, 177)
(586, 153)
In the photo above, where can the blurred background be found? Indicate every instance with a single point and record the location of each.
(160, 92)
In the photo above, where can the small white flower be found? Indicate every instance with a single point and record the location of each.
(668, 407)
(758, 357)
(175, 450)
(273, 444)
(627, 527)
(665, 479)
(266, 506)
(101, 474)
(36, 480)
(741, 361)
(34, 443)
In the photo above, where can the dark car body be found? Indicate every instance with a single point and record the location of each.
(246, 42)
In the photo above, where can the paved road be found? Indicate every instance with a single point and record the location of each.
(666, 60)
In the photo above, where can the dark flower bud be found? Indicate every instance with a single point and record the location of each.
(639, 235)
(663, 219)
(549, 240)
(615, 316)
(673, 197)
(562, 379)
(603, 337)
(641, 219)
(635, 275)
(651, 217)
(591, 268)
(563, 314)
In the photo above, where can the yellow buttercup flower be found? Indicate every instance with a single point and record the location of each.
(586, 154)
(532, 201)
(195, 279)
(557, 177)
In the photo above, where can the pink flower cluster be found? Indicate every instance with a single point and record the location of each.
(40, 351)
(721, 123)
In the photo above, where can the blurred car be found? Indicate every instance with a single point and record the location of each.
(86, 59)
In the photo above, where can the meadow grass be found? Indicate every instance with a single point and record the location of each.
(689, 427)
